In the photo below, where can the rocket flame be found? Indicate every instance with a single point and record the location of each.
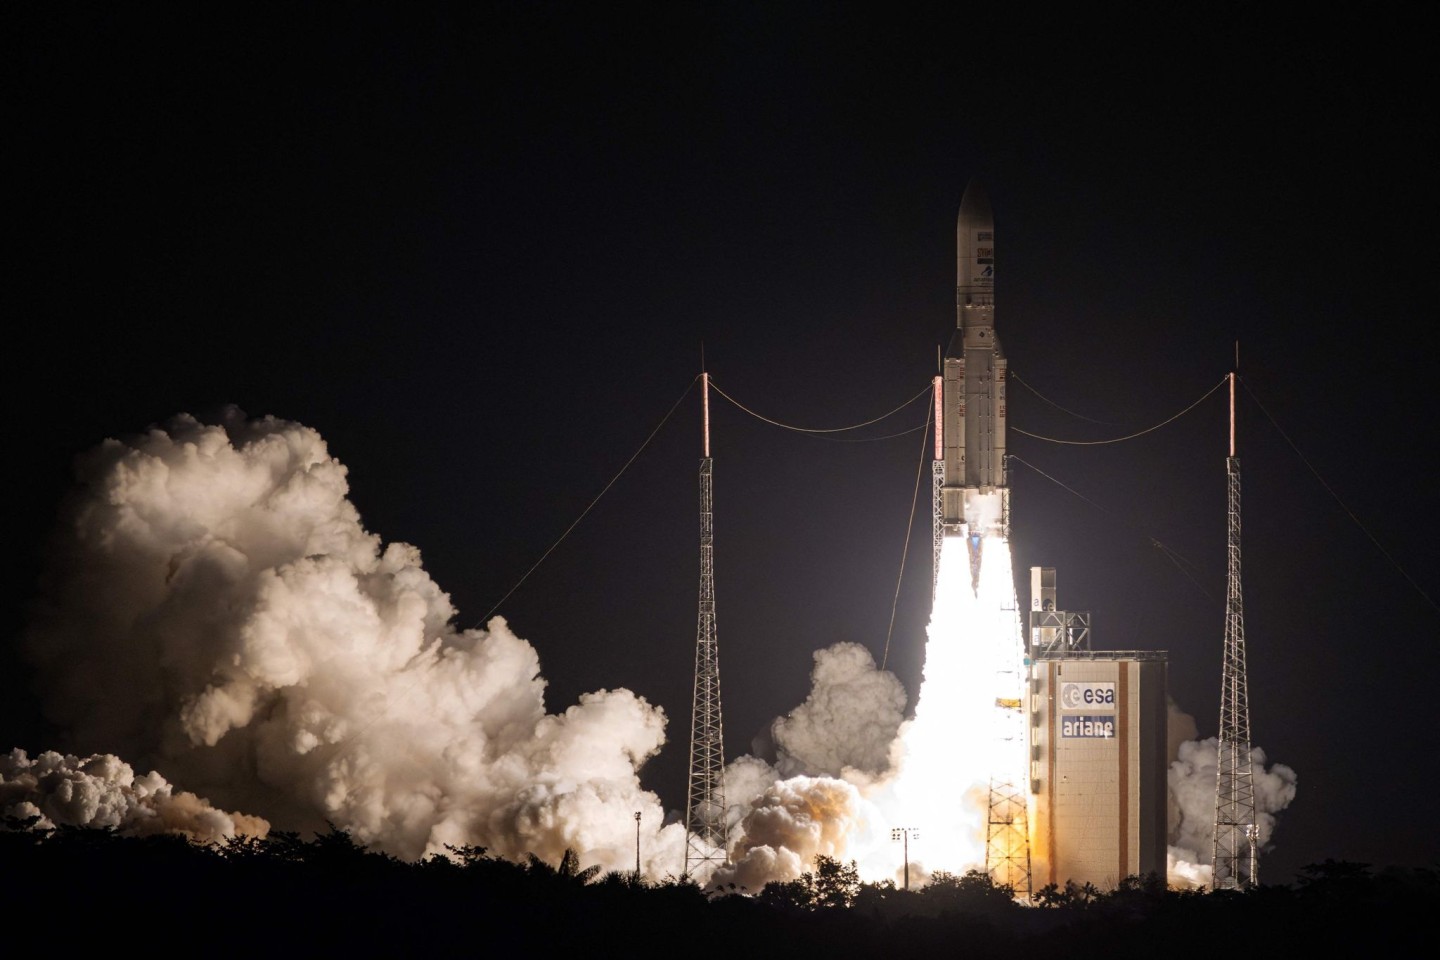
(966, 732)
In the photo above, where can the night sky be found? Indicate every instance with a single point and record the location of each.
(480, 255)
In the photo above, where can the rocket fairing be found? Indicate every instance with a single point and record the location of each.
(975, 496)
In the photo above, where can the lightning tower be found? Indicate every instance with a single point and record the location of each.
(706, 832)
(1236, 837)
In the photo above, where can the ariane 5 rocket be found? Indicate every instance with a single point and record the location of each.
(970, 394)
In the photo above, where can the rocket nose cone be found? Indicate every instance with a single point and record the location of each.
(974, 205)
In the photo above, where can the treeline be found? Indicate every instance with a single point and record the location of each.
(334, 896)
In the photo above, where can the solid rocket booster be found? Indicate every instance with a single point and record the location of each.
(975, 496)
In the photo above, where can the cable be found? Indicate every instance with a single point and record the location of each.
(1331, 490)
(602, 493)
(787, 426)
(1182, 564)
(1096, 443)
(889, 436)
(1170, 554)
(1017, 378)
(909, 528)
(405, 691)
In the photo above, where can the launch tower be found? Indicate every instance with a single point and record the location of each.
(1236, 836)
(706, 831)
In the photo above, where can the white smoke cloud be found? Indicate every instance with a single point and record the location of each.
(216, 609)
(103, 791)
(829, 750)
(1179, 728)
(848, 721)
(1192, 782)
(788, 826)
(746, 779)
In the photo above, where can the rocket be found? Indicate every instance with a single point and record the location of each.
(974, 497)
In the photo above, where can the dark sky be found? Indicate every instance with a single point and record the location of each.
(480, 255)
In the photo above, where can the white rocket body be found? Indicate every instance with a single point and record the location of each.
(975, 496)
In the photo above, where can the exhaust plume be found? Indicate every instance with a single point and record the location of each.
(215, 608)
(103, 791)
(788, 826)
(1192, 780)
(848, 721)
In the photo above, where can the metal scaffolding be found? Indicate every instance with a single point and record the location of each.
(706, 829)
(1007, 837)
(1007, 829)
(1057, 634)
(1235, 864)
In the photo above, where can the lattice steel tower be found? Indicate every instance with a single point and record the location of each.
(706, 832)
(1236, 838)
(1007, 836)
(1007, 829)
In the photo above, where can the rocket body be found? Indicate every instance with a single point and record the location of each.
(975, 496)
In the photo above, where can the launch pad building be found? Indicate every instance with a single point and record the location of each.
(1098, 751)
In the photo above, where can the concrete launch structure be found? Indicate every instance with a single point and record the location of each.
(1099, 765)
(1095, 740)
(1098, 751)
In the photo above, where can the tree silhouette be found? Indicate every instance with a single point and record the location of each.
(333, 895)
(567, 875)
(830, 884)
(833, 884)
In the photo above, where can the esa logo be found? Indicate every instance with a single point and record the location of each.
(1079, 696)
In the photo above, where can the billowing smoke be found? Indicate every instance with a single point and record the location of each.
(848, 721)
(1192, 780)
(215, 609)
(103, 791)
(879, 772)
(788, 826)
(1179, 727)
(809, 803)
